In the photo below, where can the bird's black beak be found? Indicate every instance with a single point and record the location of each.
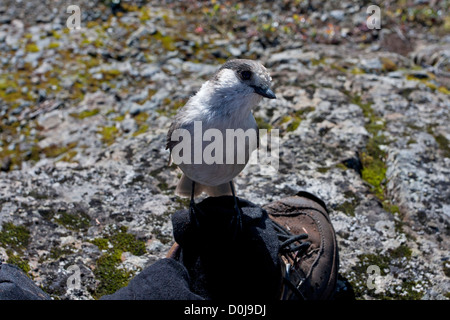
(267, 93)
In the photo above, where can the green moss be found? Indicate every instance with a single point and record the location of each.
(323, 169)
(263, 124)
(294, 124)
(91, 24)
(316, 62)
(167, 42)
(182, 203)
(37, 195)
(341, 166)
(163, 186)
(85, 42)
(110, 74)
(9, 88)
(110, 276)
(377, 139)
(177, 104)
(15, 237)
(358, 279)
(303, 111)
(425, 80)
(73, 221)
(121, 240)
(109, 134)
(373, 158)
(368, 259)
(357, 71)
(101, 243)
(391, 260)
(285, 119)
(444, 90)
(374, 172)
(408, 287)
(338, 67)
(85, 114)
(140, 118)
(58, 252)
(142, 129)
(69, 156)
(107, 270)
(389, 207)
(388, 64)
(10, 158)
(88, 61)
(31, 47)
(158, 222)
(292, 120)
(169, 107)
(119, 118)
(366, 107)
(401, 251)
(144, 14)
(53, 45)
(444, 144)
(6, 82)
(54, 150)
(18, 261)
(56, 35)
(442, 141)
(348, 206)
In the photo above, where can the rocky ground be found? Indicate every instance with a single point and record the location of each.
(362, 116)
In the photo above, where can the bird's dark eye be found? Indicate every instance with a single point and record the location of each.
(246, 75)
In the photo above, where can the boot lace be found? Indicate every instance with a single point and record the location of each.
(293, 248)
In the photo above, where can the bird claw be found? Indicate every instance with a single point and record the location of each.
(236, 220)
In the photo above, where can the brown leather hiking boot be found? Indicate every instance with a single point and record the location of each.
(310, 267)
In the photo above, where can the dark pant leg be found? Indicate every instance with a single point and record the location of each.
(15, 285)
(166, 279)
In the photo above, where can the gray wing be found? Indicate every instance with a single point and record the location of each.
(169, 142)
(176, 125)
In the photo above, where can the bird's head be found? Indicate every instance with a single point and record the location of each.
(245, 77)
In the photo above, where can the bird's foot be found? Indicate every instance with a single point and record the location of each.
(236, 220)
(192, 214)
(236, 223)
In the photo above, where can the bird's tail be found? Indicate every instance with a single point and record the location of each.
(184, 188)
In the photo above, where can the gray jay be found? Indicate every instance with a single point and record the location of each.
(223, 102)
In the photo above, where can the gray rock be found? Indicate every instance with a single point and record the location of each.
(149, 70)
(143, 31)
(337, 14)
(371, 65)
(236, 52)
(128, 125)
(199, 69)
(288, 56)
